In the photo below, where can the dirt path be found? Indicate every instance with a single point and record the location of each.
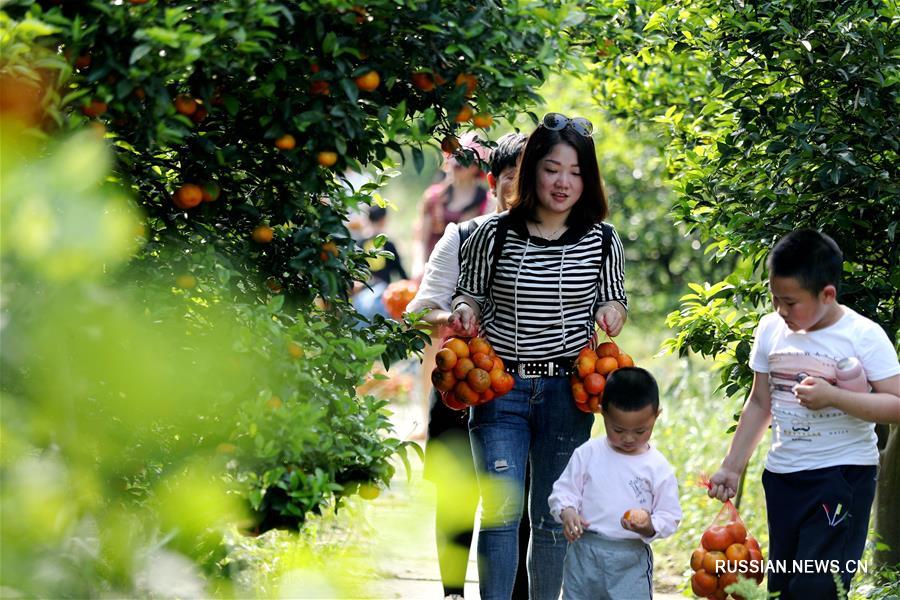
(404, 548)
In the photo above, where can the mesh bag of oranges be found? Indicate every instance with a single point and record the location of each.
(726, 555)
(592, 367)
(397, 296)
(468, 372)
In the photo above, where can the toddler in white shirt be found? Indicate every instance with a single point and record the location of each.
(617, 494)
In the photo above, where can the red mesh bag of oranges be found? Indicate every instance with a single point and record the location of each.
(468, 372)
(397, 295)
(592, 367)
(727, 554)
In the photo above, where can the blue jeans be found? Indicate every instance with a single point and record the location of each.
(537, 419)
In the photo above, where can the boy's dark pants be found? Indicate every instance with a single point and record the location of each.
(802, 528)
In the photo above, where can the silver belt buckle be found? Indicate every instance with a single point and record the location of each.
(520, 369)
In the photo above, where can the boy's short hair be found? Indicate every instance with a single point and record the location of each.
(376, 213)
(630, 389)
(507, 152)
(809, 256)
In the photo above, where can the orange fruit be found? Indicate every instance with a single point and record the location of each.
(498, 362)
(465, 113)
(594, 403)
(328, 249)
(319, 88)
(274, 403)
(188, 196)
(94, 108)
(465, 393)
(697, 559)
(185, 105)
(579, 393)
(462, 368)
(752, 544)
(369, 491)
(442, 380)
(714, 561)
(583, 407)
(479, 344)
(186, 281)
(737, 532)
(327, 158)
(487, 395)
(286, 142)
(445, 359)
(459, 347)
(716, 538)
(263, 234)
(478, 379)
(504, 383)
(83, 61)
(606, 365)
(423, 81)
(585, 365)
(469, 81)
(452, 402)
(703, 584)
(368, 82)
(726, 579)
(483, 120)
(608, 349)
(200, 114)
(594, 384)
(210, 191)
(589, 352)
(624, 360)
(295, 350)
(737, 553)
(482, 360)
(450, 144)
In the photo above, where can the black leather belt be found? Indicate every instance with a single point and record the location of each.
(535, 369)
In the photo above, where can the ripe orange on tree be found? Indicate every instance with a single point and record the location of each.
(263, 234)
(285, 142)
(483, 120)
(329, 249)
(465, 113)
(327, 158)
(469, 81)
(185, 105)
(450, 144)
(94, 108)
(186, 281)
(320, 88)
(368, 82)
(210, 191)
(423, 81)
(188, 196)
(295, 350)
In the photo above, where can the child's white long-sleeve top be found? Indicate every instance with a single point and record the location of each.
(601, 484)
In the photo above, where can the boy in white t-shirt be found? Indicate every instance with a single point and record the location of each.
(822, 466)
(616, 495)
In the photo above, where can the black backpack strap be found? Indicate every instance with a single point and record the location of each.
(499, 241)
(466, 228)
(605, 245)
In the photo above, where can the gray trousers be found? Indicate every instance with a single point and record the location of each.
(599, 568)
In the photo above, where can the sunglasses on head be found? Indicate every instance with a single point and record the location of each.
(558, 122)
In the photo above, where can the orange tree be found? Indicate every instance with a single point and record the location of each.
(780, 115)
(230, 126)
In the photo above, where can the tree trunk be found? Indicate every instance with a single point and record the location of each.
(887, 515)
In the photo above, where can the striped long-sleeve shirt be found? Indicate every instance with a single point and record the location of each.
(544, 295)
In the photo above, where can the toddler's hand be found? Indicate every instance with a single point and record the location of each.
(573, 524)
(814, 393)
(638, 520)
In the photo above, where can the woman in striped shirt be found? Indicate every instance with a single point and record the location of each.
(536, 281)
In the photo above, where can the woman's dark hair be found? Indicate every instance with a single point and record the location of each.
(591, 208)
